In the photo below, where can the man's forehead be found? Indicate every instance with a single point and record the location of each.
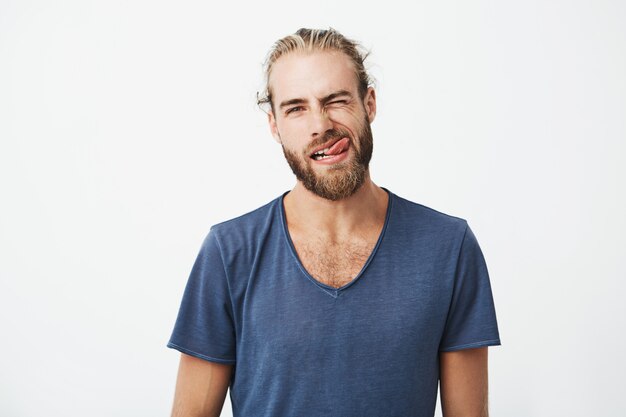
(301, 74)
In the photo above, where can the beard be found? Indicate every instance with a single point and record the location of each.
(339, 180)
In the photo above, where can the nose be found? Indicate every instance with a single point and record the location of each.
(320, 123)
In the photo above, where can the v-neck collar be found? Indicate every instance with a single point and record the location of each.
(332, 291)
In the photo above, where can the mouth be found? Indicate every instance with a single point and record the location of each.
(331, 149)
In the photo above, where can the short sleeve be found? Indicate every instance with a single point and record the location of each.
(471, 320)
(204, 326)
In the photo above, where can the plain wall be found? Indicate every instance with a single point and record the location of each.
(128, 128)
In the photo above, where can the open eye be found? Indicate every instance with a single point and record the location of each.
(294, 109)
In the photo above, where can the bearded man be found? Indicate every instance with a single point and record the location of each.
(339, 297)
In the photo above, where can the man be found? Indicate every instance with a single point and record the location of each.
(338, 298)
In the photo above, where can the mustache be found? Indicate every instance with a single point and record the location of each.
(330, 136)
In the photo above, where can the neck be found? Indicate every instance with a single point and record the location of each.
(363, 210)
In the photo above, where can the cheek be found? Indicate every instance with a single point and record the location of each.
(348, 114)
(293, 138)
(350, 120)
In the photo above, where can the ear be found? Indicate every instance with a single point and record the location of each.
(369, 102)
(273, 126)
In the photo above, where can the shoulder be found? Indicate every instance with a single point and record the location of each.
(426, 220)
(427, 233)
(246, 229)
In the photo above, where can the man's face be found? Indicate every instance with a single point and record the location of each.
(316, 105)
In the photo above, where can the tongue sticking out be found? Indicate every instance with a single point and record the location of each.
(340, 146)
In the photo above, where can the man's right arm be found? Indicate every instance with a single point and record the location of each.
(201, 387)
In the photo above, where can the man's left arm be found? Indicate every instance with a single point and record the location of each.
(463, 382)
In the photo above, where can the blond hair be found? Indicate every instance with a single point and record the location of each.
(310, 40)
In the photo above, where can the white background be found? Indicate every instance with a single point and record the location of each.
(128, 128)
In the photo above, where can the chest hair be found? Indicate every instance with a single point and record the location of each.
(333, 263)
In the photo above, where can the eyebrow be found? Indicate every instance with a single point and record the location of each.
(323, 100)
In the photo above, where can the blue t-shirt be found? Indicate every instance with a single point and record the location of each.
(303, 348)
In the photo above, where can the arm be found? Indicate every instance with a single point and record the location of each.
(201, 387)
(463, 385)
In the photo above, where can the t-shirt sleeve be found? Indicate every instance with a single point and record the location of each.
(204, 326)
(471, 320)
